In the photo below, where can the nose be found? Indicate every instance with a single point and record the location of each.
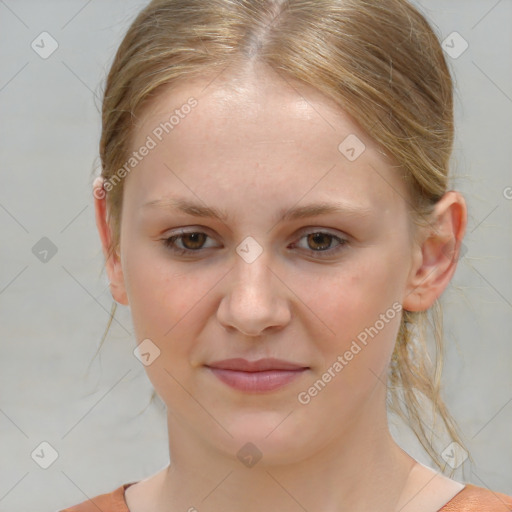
(256, 301)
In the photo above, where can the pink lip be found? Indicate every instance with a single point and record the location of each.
(257, 376)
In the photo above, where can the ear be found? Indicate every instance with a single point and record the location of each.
(113, 262)
(437, 253)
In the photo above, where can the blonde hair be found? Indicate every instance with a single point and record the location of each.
(379, 61)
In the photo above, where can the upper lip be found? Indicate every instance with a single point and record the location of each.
(242, 365)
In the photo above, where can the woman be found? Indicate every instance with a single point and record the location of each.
(274, 208)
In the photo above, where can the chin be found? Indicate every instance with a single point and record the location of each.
(264, 438)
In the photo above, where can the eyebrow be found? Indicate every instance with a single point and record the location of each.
(284, 214)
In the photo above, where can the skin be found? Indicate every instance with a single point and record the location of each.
(252, 146)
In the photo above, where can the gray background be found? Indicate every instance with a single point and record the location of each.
(54, 313)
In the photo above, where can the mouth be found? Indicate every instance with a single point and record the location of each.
(256, 376)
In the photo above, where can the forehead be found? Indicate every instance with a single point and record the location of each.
(257, 131)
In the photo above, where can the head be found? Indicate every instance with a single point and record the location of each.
(253, 113)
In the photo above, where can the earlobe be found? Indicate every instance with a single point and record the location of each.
(436, 259)
(112, 261)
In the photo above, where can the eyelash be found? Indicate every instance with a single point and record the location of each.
(169, 243)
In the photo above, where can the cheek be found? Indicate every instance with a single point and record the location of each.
(361, 308)
(167, 305)
(352, 298)
(161, 292)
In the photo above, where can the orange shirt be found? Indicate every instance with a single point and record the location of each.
(471, 499)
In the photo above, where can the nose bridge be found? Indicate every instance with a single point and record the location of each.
(254, 299)
(253, 278)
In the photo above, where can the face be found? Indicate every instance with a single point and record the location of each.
(319, 290)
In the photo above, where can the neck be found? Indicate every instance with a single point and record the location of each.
(360, 468)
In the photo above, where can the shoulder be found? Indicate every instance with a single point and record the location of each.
(109, 502)
(478, 499)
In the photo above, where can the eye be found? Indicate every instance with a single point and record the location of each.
(193, 241)
(320, 242)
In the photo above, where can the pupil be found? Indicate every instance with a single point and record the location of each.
(194, 237)
(317, 238)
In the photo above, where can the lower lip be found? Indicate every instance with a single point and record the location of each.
(256, 381)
